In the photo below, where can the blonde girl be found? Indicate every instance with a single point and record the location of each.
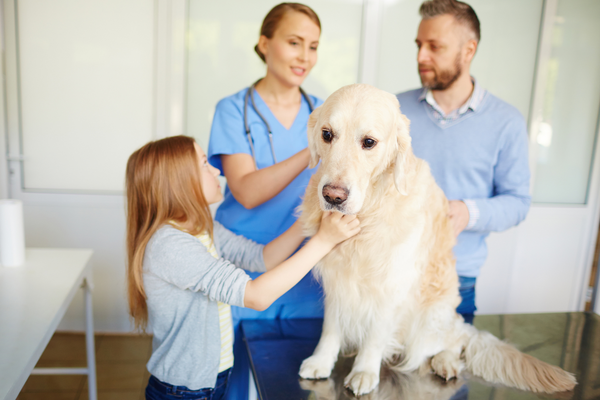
(183, 268)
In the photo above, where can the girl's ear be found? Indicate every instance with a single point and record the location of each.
(404, 156)
(313, 137)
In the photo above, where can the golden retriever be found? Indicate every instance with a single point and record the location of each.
(391, 291)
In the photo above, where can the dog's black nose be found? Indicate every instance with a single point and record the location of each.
(335, 195)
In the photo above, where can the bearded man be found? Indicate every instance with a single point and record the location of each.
(475, 143)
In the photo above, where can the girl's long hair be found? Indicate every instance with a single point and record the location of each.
(163, 184)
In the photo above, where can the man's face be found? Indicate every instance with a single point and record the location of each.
(441, 60)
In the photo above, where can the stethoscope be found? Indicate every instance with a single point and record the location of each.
(250, 94)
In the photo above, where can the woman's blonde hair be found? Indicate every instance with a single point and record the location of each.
(274, 17)
(163, 184)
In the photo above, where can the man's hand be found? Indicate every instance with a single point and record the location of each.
(459, 216)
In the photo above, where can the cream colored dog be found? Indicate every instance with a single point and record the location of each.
(391, 291)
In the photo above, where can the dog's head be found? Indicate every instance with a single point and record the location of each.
(358, 134)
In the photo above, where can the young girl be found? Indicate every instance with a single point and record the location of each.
(177, 283)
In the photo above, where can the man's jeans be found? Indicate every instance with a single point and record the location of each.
(467, 292)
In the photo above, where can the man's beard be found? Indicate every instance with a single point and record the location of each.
(445, 78)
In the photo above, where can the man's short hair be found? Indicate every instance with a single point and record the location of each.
(463, 13)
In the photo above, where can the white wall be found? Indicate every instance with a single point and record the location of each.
(86, 92)
(537, 266)
(100, 227)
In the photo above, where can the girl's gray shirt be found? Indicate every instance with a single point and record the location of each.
(183, 283)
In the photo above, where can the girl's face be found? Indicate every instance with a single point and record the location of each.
(208, 178)
(292, 51)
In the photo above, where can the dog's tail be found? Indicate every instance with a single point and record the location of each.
(495, 361)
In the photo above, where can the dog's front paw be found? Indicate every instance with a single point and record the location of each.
(446, 365)
(315, 367)
(361, 382)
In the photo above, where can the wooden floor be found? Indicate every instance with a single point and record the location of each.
(120, 364)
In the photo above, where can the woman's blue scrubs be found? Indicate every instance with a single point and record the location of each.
(267, 221)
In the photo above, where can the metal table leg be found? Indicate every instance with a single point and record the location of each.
(90, 349)
(89, 342)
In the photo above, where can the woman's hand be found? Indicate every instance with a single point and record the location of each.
(336, 227)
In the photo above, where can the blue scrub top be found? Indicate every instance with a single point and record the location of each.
(228, 136)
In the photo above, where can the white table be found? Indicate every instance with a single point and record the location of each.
(33, 300)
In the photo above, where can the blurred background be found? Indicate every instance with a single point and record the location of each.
(87, 82)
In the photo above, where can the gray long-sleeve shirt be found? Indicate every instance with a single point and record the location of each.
(183, 283)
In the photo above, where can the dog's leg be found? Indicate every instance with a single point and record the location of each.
(320, 364)
(437, 331)
(364, 376)
(450, 362)
(447, 363)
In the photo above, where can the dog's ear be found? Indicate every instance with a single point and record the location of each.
(313, 137)
(402, 156)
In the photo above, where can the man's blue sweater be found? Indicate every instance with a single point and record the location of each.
(480, 157)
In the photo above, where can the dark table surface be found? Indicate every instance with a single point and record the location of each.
(569, 340)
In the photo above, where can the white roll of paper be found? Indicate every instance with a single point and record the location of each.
(12, 235)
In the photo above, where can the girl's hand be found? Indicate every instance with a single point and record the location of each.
(264, 290)
(336, 227)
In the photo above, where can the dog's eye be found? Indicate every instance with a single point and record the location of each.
(327, 136)
(368, 143)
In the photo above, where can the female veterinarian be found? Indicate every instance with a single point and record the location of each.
(258, 141)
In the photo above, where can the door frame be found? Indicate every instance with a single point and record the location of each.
(592, 206)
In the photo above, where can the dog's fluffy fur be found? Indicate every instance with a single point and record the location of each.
(392, 290)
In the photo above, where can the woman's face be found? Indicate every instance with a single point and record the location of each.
(292, 51)
(208, 178)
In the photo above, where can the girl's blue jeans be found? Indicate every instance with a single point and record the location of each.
(158, 390)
